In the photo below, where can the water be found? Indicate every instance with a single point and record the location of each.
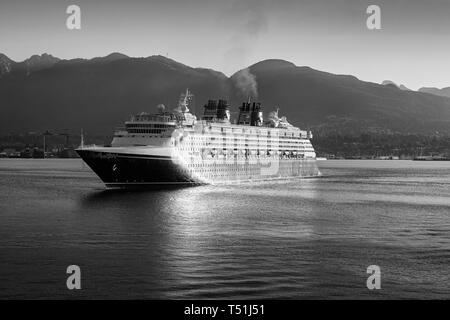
(312, 238)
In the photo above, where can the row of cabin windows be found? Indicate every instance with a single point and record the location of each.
(284, 134)
(154, 131)
(148, 125)
(222, 129)
(247, 147)
(248, 137)
(246, 143)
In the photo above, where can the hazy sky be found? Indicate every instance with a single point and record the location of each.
(412, 48)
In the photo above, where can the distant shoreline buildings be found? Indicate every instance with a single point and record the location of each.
(332, 146)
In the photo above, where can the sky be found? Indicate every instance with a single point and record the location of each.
(412, 47)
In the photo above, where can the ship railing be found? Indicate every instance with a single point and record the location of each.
(120, 128)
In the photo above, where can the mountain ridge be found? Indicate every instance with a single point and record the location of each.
(392, 83)
(444, 92)
(99, 93)
(33, 63)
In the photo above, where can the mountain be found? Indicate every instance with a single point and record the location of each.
(402, 87)
(5, 64)
(98, 94)
(343, 104)
(32, 64)
(444, 92)
(111, 57)
(391, 83)
(39, 62)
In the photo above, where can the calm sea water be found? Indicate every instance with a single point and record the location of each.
(311, 238)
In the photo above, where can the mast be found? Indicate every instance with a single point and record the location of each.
(82, 139)
(183, 103)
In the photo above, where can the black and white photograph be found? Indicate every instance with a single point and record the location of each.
(223, 154)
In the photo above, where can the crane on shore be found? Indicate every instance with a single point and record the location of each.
(50, 133)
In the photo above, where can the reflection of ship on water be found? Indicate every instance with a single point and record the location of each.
(173, 147)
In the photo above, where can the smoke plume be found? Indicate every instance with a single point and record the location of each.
(250, 21)
(245, 81)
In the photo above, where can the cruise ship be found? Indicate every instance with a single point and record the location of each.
(174, 147)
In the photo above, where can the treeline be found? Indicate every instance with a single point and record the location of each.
(379, 145)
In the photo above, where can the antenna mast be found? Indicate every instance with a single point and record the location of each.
(82, 139)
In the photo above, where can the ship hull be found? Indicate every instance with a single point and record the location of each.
(131, 170)
(127, 170)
